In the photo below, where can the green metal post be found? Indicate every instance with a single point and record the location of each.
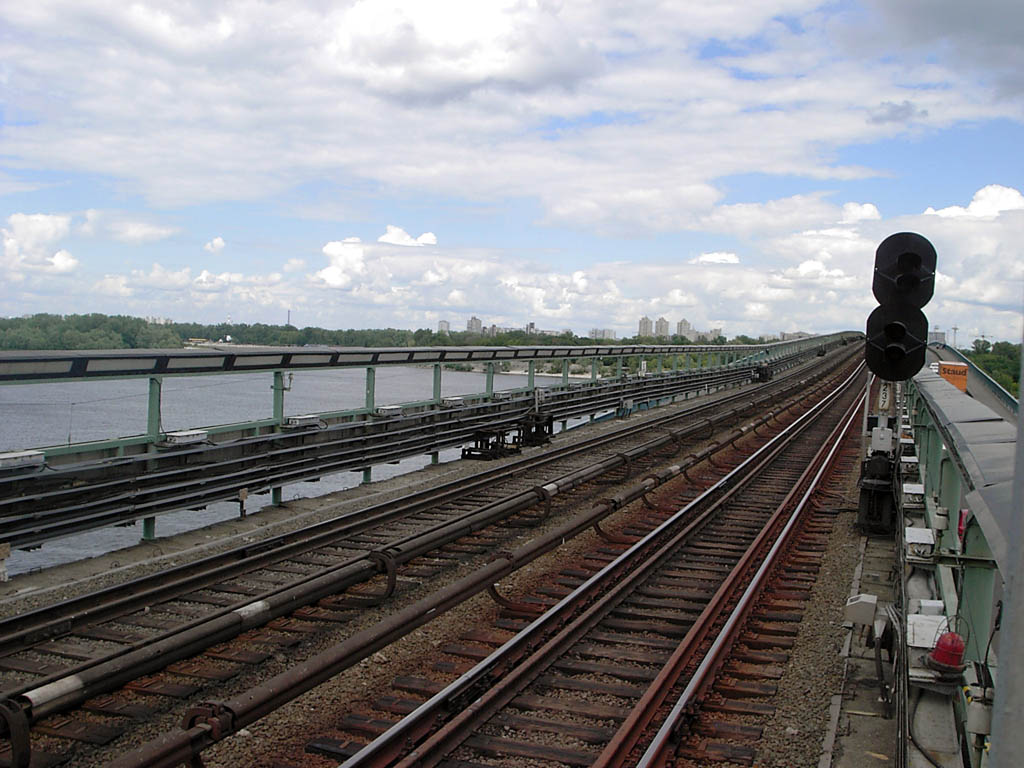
(531, 371)
(949, 498)
(490, 379)
(661, 363)
(675, 363)
(565, 383)
(275, 493)
(618, 368)
(931, 478)
(435, 457)
(371, 388)
(593, 368)
(153, 432)
(371, 404)
(977, 596)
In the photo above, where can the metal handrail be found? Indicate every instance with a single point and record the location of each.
(1012, 403)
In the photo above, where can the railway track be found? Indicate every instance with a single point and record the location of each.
(613, 674)
(123, 632)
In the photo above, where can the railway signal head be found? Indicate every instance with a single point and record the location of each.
(904, 270)
(897, 331)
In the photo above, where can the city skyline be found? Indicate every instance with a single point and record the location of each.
(390, 163)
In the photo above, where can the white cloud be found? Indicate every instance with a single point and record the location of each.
(30, 244)
(716, 257)
(854, 212)
(398, 236)
(294, 265)
(113, 285)
(346, 260)
(988, 202)
(123, 227)
(214, 246)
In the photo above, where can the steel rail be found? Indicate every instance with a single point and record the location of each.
(497, 679)
(175, 581)
(87, 495)
(89, 679)
(210, 722)
(646, 708)
(90, 608)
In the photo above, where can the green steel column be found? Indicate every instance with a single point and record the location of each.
(593, 368)
(275, 493)
(661, 363)
(565, 383)
(371, 404)
(490, 379)
(949, 498)
(675, 363)
(371, 388)
(618, 368)
(935, 452)
(977, 596)
(531, 370)
(434, 456)
(153, 433)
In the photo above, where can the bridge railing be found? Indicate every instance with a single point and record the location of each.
(994, 386)
(965, 455)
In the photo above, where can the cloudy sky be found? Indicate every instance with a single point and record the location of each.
(577, 164)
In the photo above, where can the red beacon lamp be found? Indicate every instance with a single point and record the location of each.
(948, 654)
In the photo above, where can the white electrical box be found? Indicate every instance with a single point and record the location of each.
(860, 609)
(881, 439)
(452, 402)
(389, 411)
(932, 608)
(501, 396)
(920, 541)
(185, 437)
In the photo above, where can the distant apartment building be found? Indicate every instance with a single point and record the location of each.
(711, 335)
(683, 328)
(646, 327)
(475, 325)
(602, 333)
(661, 328)
(443, 326)
(936, 337)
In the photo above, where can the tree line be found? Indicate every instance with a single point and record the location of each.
(99, 331)
(1001, 361)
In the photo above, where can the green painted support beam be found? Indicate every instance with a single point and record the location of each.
(371, 389)
(531, 375)
(594, 366)
(278, 416)
(565, 373)
(490, 379)
(977, 593)
(153, 434)
(437, 384)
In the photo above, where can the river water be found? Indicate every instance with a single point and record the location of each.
(59, 413)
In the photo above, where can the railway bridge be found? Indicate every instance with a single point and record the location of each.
(705, 574)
